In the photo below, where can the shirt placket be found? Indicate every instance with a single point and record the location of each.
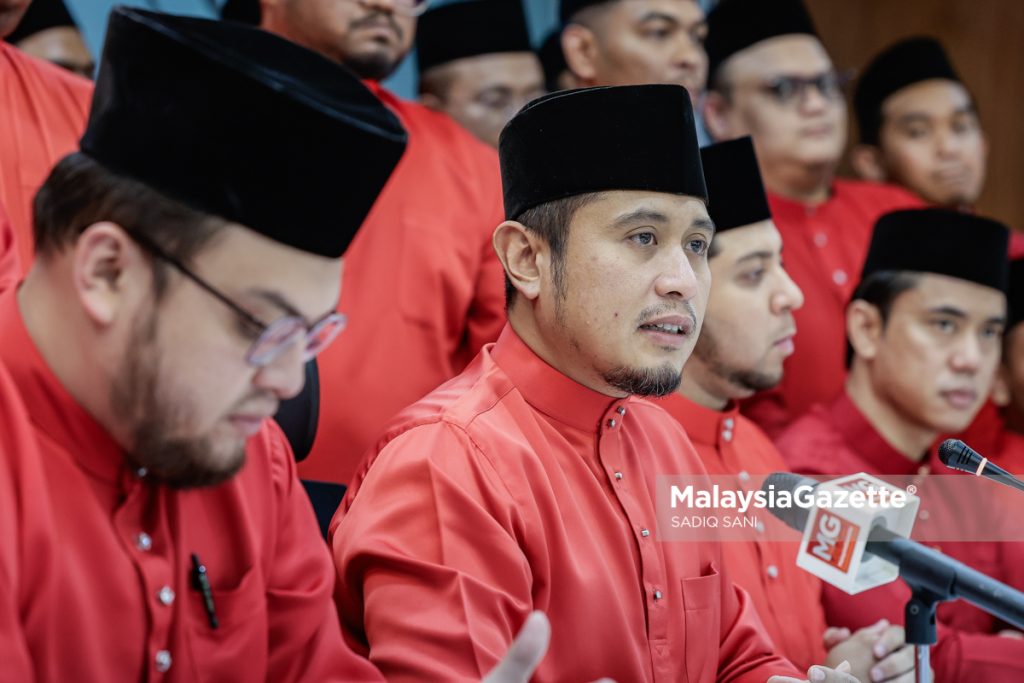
(832, 257)
(150, 550)
(627, 484)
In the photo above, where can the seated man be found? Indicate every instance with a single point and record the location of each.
(747, 334)
(476, 64)
(527, 482)
(924, 329)
(919, 126)
(151, 523)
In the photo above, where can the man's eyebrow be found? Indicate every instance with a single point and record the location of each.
(279, 301)
(640, 216)
(655, 15)
(913, 117)
(704, 223)
(948, 310)
(762, 255)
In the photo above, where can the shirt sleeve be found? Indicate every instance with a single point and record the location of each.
(304, 635)
(434, 583)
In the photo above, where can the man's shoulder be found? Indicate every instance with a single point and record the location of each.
(811, 442)
(434, 129)
(881, 197)
(58, 80)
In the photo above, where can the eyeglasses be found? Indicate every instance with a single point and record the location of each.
(273, 338)
(791, 90)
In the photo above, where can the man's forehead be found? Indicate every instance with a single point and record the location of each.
(795, 54)
(936, 292)
(935, 95)
(760, 237)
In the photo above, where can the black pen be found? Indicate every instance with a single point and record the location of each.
(201, 583)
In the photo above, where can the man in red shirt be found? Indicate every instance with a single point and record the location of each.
(747, 333)
(10, 266)
(429, 283)
(770, 77)
(44, 111)
(528, 481)
(924, 329)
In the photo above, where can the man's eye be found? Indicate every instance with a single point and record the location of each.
(644, 239)
(698, 246)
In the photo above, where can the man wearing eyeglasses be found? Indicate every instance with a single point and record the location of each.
(422, 285)
(771, 78)
(152, 526)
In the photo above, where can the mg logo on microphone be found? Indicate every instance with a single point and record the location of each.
(833, 540)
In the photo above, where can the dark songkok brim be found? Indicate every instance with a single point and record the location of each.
(470, 29)
(567, 9)
(1015, 293)
(907, 62)
(41, 15)
(638, 137)
(736, 195)
(942, 242)
(552, 60)
(735, 25)
(239, 123)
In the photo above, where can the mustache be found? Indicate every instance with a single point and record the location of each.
(375, 18)
(662, 310)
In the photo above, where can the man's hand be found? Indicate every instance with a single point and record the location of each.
(821, 674)
(525, 653)
(876, 653)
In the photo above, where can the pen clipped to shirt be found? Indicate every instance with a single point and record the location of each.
(201, 583)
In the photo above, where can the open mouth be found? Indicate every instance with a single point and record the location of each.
(666, 328)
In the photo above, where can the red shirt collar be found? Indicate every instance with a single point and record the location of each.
(53, 410)
(704, 426)
(547, 389)
(865, 441)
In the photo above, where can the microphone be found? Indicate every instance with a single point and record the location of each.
(957, 455)
(921, 567)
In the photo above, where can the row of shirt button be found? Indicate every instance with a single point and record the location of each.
(144, 542)
(838, 276)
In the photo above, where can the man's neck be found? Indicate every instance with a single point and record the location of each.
(694, 388)
(807, 184)
(910, 439)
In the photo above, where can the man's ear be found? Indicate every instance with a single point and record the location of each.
(716, 116)
(107, 271)
(867, 162)
(580, 48)
(523, 254)
(864, 328)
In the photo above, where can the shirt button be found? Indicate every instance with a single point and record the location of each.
(657, 594)
(165, 595)
(839, 277)
(759, 527)
(163, 661)
(621, 410)
(611, 423)
(820, 239)
(141, 472)
(772, 571)
(645, 533)
(728, 423)
(727, 435)
(618, 475)
(924, 469)
(143, 542)
(743, 475)
(924, 515)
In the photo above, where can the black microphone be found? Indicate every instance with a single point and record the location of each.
(921, 567)
(957, 455)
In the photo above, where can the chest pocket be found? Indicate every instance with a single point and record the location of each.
(702, 604)
(241, 634)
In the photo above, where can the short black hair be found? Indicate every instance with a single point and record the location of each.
(551, 221)
(880, 289)
(80, 192)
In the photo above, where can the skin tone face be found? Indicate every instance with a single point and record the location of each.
(749, 329)
(799, 142)
(11, 12)
(931, 142)
(62, 45)
(928, 370)
(636, 42)
(169, 379)
(369, 36)
(484, 92)
(632, 296)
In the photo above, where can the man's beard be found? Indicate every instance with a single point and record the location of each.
(706, 350)
(644, 381)
(175, 462)
(375, 66)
